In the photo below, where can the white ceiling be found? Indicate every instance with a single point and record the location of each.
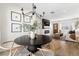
(62, 10)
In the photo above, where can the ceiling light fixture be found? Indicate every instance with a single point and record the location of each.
(33, 12)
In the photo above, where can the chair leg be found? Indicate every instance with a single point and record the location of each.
(10, 54)
(29, 54)
(41, 51)
(14, 52)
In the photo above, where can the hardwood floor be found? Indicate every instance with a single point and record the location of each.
(59, 48)
(63, 48)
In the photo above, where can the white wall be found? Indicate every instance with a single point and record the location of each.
(66, 22)
(0, 27)
(0, 30)
(6, 23)
(5, 13)
(1, 21)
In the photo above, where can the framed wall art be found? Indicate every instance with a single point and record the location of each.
(15, 27)
(27, 19)
(67, 27)
(15, 16)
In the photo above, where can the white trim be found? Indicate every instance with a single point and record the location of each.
(0, 38)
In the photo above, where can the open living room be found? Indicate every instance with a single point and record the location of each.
(39, 29)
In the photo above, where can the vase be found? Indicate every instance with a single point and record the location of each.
(32, 36)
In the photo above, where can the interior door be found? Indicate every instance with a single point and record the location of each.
(55, 28)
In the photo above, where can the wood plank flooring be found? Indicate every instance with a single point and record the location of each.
(63, 48)
(59, 48)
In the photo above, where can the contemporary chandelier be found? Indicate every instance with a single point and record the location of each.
(33, 12)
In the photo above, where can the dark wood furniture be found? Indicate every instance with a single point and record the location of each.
(38, 41)
(57, 35)
(72, 35)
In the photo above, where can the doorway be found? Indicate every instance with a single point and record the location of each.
(55, 28)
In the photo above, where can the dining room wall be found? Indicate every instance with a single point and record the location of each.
(6, 34)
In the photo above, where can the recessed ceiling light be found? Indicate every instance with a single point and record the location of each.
(52, 12)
